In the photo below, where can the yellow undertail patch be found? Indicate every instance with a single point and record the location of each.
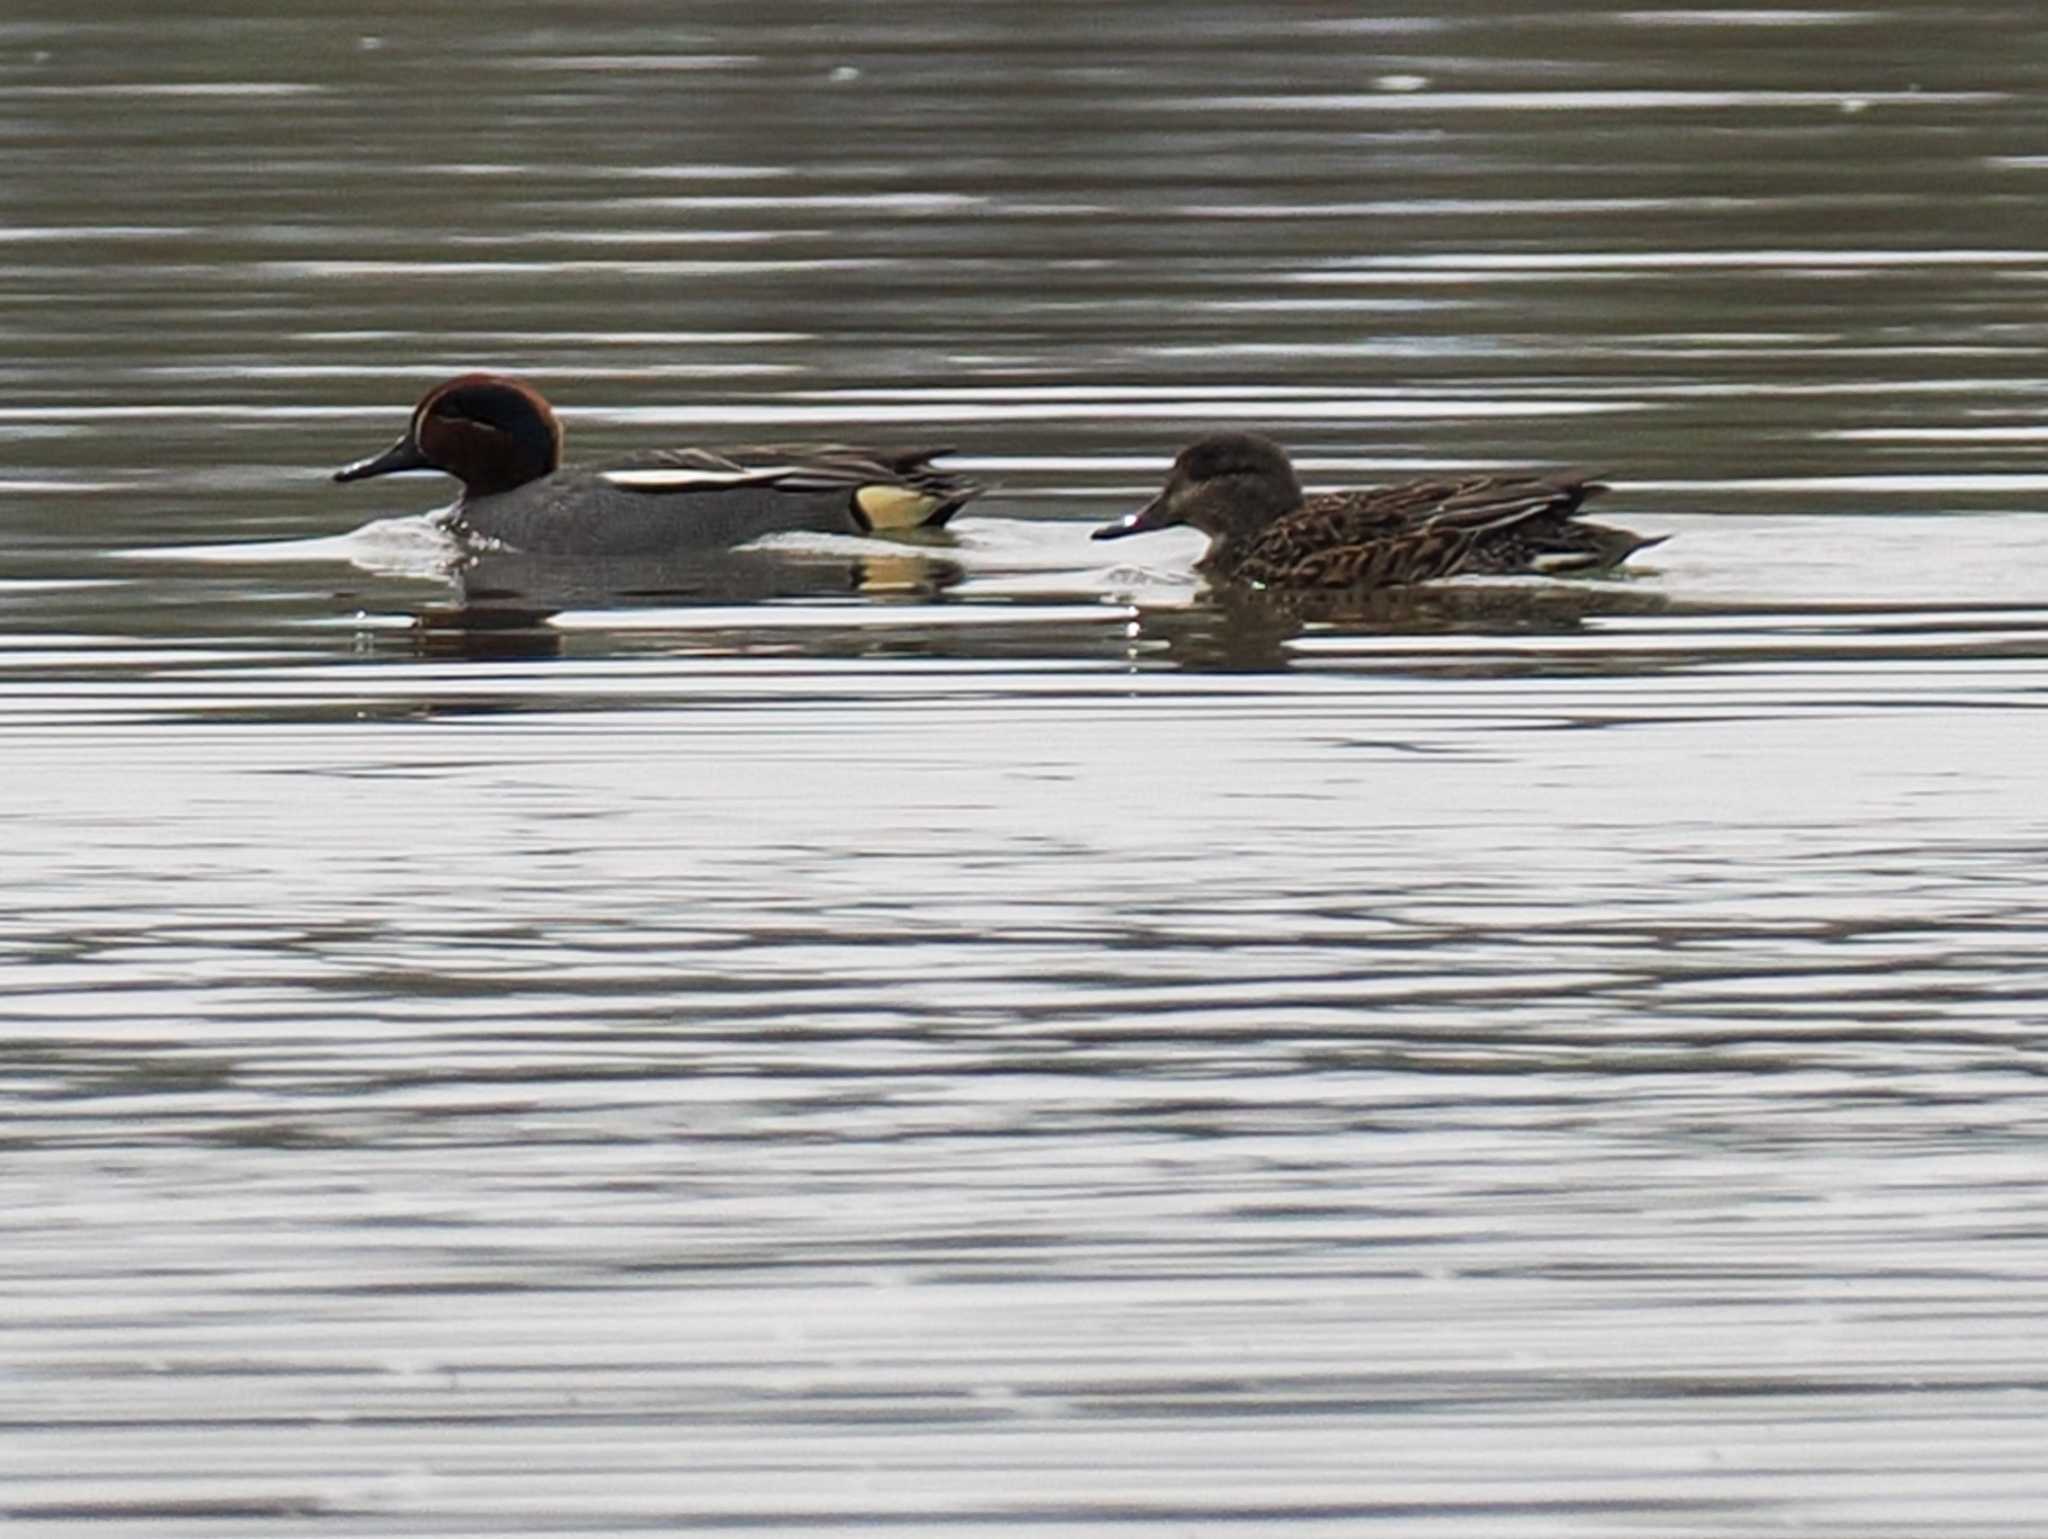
(894, 507)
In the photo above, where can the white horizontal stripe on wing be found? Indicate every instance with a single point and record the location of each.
(682, 480)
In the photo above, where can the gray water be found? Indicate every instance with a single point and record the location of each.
(985, 1036)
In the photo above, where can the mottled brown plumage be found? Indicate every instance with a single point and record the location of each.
(1241, 490)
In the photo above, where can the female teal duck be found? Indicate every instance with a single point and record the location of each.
(1241, 491)
(500, 439)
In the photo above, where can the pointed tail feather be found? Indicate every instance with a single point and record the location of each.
(1604, 547)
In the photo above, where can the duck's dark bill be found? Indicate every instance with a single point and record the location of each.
(1151, 516)
(403, 455)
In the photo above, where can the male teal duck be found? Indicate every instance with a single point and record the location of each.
(501, 440)
(1240, 489)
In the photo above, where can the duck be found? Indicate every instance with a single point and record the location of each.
(500, 438)
(1240, 489)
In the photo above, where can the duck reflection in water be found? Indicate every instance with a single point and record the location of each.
(1251, 630)
(505, 599)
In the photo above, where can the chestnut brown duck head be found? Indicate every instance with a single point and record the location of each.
(492, 433)
(1241, 490)
(499, 437)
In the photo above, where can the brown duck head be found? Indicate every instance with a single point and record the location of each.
(1228, 485)
(489, 431)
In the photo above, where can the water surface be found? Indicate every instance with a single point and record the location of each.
(983, 1036)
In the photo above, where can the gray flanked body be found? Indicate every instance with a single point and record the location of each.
(671, 502)
(501, 440)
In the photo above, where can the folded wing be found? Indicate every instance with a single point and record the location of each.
(1417, 530)
(884, 488)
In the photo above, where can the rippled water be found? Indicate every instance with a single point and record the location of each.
(984, 1036)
